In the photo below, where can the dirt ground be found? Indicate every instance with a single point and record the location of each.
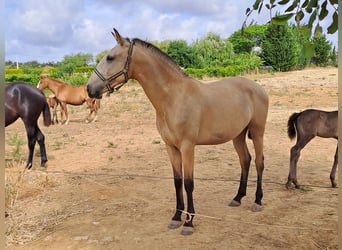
(109, 184)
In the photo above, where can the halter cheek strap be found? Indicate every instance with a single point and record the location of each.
(124, 72)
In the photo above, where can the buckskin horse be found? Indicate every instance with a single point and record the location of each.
(27, 102)
(67, 94)
(189, 113)
(307, 125)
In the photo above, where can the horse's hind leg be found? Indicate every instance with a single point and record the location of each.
(333, 170)
(41, 141)
(31, 137)
(295, 154)
(258, 142)
(245, 160)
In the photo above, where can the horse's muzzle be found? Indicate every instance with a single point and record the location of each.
(94, 93)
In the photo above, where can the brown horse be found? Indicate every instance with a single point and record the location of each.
(307, 125)
(53, 104)
(189, 113)
(67, 94)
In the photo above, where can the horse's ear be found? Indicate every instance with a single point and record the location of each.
(118, 37)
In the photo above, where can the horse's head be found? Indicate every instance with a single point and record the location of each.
(112, 71)
(43, 83)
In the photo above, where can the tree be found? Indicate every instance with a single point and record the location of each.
(317, 11)
(180, 52)
(244, 40)
(100, 56)
(279, 48)
(322, 51)
(297, 9)
(212, 51)
(70, 62)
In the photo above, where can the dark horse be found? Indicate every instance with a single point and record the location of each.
(309, 124)
(27, 102)
(189, 113)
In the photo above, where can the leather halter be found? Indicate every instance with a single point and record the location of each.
(124, 72)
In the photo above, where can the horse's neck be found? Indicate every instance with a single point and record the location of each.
(54, 85)
(158, 79)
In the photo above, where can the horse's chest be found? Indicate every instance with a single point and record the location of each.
(169, 129)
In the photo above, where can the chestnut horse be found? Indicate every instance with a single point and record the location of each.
(27, 102)
(307, 125)
(189, 113)
(67, 94)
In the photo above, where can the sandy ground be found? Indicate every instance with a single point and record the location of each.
(109, 184)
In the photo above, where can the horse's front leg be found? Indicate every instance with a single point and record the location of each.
(187, 153)
(333, 170)
(65, 111)
(176, 162)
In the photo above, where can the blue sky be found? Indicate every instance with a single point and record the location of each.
(47, 30)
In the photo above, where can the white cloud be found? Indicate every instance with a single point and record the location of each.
(48, 30)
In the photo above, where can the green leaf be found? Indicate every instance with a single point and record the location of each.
(305, 30)
(312, 18)
(292, 6)
(334, 26)
(283, 2)
(256, 4)
(309, 49)
(324, 11)
(318, 30)
(305, 3)
(282, 19)
(299, 16)
(313, 4)
(332, 2)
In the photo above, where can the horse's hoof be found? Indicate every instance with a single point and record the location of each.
(257, 208)
(174, 224)
(29, 165)
(187, 231)
(234, 203)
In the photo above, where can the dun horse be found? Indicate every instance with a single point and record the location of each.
(27, 102)
(307, 125)
(67, 94)
(189, 113)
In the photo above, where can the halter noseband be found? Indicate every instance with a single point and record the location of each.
(124, 72)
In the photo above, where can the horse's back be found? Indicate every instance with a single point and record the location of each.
(240, 92)
(22, 99)
(321, 123)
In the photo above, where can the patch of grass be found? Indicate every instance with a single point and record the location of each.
(111, 145)
(15, 141)
(156, 141)
(57, 145)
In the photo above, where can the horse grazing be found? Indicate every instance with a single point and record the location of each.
(27, 102)
(67, 94)
(189, 113)
(53, 103)
(307, 125)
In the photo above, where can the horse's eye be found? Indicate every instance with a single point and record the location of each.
(110, 58)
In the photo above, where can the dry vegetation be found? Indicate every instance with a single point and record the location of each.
(109, 184)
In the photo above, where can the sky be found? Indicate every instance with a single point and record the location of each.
(47, 30)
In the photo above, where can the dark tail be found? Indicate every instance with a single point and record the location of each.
(291, 129)
(46, 115)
